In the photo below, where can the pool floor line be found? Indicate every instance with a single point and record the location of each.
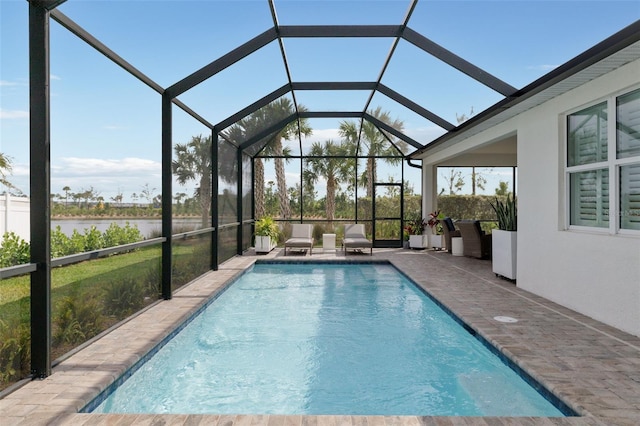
(566, 350)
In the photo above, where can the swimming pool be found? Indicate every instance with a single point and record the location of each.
(325, 339)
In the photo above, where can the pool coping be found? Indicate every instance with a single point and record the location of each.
(602, 392)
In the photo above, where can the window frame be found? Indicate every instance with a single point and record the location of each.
(613, 165)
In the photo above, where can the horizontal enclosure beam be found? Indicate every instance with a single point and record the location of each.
(331, 114)
(329, 31)
(334, 85)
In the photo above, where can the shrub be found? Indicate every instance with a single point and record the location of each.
(76, 320)
(124, 297)
(93, 239)
(15, 351)
(116, 235)
(13, 250)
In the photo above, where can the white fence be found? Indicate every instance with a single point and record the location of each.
(14, 215)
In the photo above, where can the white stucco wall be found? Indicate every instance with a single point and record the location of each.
(593, 273)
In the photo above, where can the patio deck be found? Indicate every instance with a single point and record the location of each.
(593, 368)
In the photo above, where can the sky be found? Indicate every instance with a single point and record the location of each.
(105, 129)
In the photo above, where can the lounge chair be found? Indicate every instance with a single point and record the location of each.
(355, 238)
(450, 231)
(301, 237)
(476, 242)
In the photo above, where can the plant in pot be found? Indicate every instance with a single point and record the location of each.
(435, 224)
(266, 234)
(504, 239)
(417, 237)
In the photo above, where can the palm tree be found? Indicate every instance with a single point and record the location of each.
(283, 108)
(327, 160)
(193, 162)
(66, 190)
(259, 120)
(5, 168)
(375, 144)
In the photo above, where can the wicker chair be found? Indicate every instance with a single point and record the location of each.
(476, 242)
(450, 231)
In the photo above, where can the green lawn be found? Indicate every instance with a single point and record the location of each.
(12, 289)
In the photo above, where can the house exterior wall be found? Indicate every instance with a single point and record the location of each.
(596, 274)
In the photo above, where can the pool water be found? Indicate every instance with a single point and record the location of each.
(358, 339)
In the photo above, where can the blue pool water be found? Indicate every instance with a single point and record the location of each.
(357, 339)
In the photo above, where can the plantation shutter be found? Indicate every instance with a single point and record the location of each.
(628, 145)
(587, 145)
(630, 197)
(588, 136)
(628, 125)
(590, 198)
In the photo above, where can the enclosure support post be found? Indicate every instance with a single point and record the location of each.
(167, 177)
(240, 214)
(215, 235)
(40, 187)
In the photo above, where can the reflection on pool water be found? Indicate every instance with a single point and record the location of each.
(308, 338)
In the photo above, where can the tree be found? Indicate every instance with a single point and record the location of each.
(454, 181)
(477, 181)
(66, 190)
(503, 188)
(147, 194)
(375, 144)
(464, 117)
(326, 161)
(5, 168)
(193, 162)
(271, 147)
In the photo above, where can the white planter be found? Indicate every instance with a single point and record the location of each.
(504, 253)
(435, 241)
(263, 244)
(418, 241)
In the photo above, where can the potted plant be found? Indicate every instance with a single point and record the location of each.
(504, 239)
(435, 239)
(266, 234)
(417, 238)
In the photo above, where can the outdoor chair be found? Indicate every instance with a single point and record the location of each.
(355, 238)
(450, 231)
(476, 243)
(301, 238)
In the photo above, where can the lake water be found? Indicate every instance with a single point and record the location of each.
(148, 227)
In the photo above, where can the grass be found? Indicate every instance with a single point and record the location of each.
(15, 288)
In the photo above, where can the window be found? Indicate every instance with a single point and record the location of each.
(603, 153)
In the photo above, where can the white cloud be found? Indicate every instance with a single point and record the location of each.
(13, 114)
(542, 67)
(131, 166)
(5, 83)
(54, 77)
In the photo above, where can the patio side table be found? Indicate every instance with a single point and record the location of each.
(328, 242)
(457, 247)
